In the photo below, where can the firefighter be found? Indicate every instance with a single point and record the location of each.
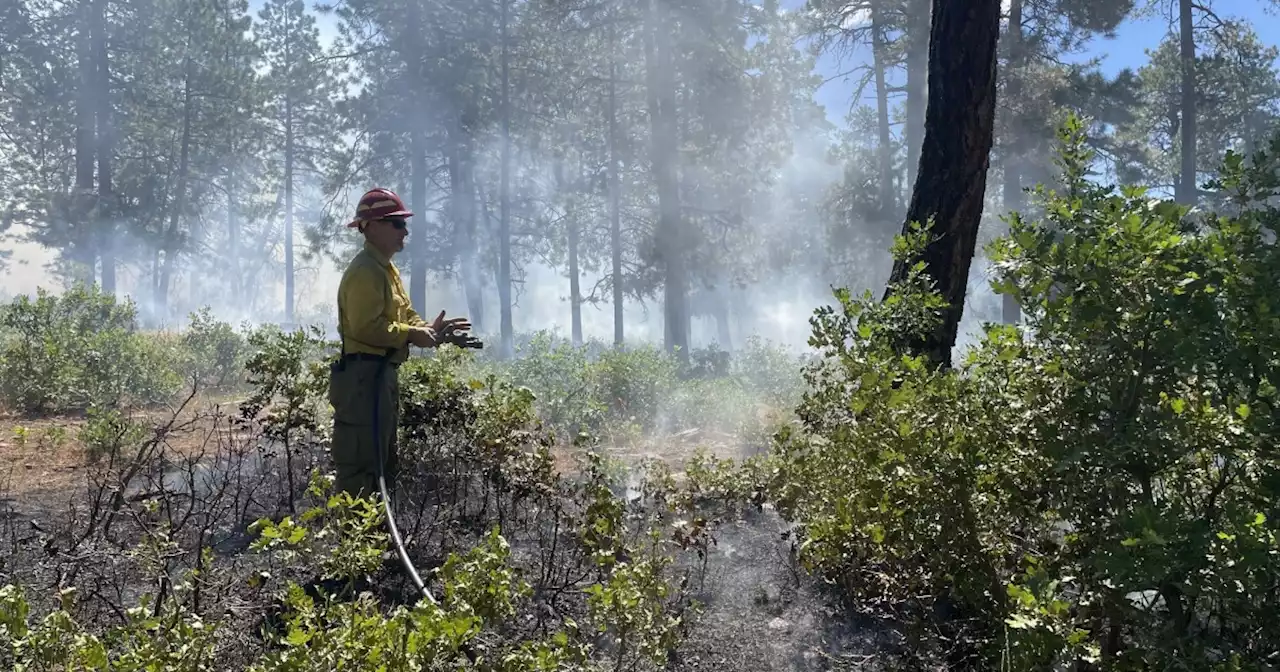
(377, 325)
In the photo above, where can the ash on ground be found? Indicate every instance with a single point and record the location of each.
(762, 613)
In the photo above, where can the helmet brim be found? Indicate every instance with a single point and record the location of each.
(355, 223)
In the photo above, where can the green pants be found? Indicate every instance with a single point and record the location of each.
(353, 388)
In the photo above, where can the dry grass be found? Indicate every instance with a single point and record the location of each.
(45, 454)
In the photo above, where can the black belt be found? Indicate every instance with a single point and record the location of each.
(367, 357)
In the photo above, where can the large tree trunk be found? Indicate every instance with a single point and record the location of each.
(288, 209)
(1187, 190)
(615, 195)
(288, 187)
(178, 203)
(411, 56)
(507, 349)
(83, 240)
(575, 289)
(917, 83)
(462, 207)
(1011, 313)
(954, 156)
(664, 130)
(720, 310)
(105, 143)
(233, 239)
(418, 240)
(884, 150)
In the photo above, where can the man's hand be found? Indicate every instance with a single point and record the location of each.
(454, 332)
(446, 328)
(423, 337)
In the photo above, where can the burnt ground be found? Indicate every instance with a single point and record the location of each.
(764, 614)
(760, 611)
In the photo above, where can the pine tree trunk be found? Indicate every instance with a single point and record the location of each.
(179, 200)
(84, 240)
(288, 209)
(504, 199)
(1010, 312)
(664, 126)
(1187, 190)
(720, 309)
(884, 150)
(575, 289)
(615, 196)
(917, 84)
(233, 238)
(955, 155)
(418, 239)
(462, 210)
(107, 211)
(472, 211)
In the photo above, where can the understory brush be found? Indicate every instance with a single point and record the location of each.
(82, 349)
(240, 556)
(601, 389)
(1096, 490)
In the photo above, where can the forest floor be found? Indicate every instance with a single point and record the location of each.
(44, 462)
(760, 613)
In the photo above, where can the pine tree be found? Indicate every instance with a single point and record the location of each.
(301, 85)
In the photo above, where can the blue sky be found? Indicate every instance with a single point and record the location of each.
(1126, 50)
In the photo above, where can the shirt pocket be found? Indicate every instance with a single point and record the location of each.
(399, 302)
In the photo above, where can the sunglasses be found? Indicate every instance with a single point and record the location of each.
(399, 224)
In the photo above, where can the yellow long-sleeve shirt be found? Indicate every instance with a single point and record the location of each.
(374, 312)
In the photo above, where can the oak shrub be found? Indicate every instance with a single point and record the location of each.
(1097, 489)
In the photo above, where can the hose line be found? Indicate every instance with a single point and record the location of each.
(382, 484)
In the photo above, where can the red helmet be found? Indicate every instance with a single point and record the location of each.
(378, 203)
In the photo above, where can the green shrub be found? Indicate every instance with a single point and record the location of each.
(1102, 490)
(80, 349)
(769, 373)
(216, 353)
(108, 433)
(602, 389)
(558, 374)
(634, 382)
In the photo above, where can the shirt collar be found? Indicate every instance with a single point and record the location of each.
(377, 255)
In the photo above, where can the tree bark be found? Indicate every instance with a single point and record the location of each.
(288, 209)
(720, 310)
(955, 156)
(575, 289)
(179, 203)
(918, 28)
(288, 180)
(884, 150)
(504, 198)
(664, 126)
(462, 207)
(84, 239)
(105, 228)
(411, 55)
(615, 194)
(1187, 190)
(233, 238)
(418, 240)
(1011, 313)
